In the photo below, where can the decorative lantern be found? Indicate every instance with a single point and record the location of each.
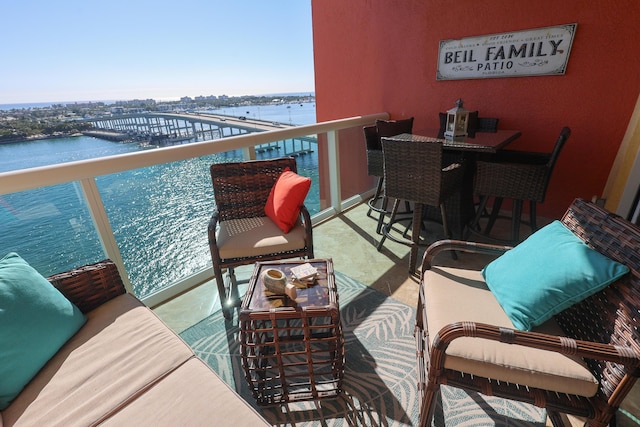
(457, 121)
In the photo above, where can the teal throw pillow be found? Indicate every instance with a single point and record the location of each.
(550, 271)
(35, 321)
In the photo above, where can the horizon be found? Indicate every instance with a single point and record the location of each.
(87, 52)
(113, 101)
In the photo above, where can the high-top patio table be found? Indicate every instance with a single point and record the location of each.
(292, 349)
(460, 207)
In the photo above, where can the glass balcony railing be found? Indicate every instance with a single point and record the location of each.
(148, 210)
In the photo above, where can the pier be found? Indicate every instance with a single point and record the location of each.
(163, 129)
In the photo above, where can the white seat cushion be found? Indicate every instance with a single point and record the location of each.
(192, 395)
(455, 295)
(121, 351)
(244, 237)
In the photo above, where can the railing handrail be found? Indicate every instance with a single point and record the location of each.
(42, 176)
(86, 171)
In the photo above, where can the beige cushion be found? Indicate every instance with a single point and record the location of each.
(191, 395)
(454, 295)
(256, 236)
(122, 350)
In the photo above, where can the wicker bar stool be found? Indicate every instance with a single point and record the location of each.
(375, 166)
(517, 175)
(413, 171)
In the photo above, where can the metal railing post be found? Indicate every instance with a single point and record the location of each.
(334, 171)
(103, 227)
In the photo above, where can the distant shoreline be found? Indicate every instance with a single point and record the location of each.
(40, 137)
(28, 105)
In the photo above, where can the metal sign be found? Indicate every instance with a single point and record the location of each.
(537, 52)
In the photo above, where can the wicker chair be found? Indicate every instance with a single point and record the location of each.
(602, 333)
(518, 175)
(413, 171)
(240, 233)
(375, 166)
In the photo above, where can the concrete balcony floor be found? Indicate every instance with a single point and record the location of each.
(350, 239)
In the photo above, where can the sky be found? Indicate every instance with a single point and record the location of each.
(84, 50)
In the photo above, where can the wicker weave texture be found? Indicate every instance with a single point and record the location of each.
(611, 315)
(292, 350)
(374, 151)
(241, 189)
(604, 329)
(91, 285)
(524, 178)
(413, 171)
(509, 180)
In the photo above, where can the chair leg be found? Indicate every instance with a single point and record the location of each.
(556, 418)
(475, 223)
(445, 225)
(415, 236)
(387, 227)
(532, 216)
(515, 220)
(222, 291)
(383, 209)
(495, 211)
(428, 405)
(376, 195)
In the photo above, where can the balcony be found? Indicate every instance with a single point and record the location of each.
(340, 226)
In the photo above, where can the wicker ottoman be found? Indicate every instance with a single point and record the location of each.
(292, 350)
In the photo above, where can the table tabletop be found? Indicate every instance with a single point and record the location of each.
(321, 294)
(480, 142)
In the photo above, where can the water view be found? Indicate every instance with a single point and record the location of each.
(159, 214)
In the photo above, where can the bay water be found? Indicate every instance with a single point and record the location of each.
(159, 215)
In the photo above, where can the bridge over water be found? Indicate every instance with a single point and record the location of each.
(161, 129)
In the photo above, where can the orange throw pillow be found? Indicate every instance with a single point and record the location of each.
(286, 197)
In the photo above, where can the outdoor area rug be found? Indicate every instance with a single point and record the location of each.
(379, 387)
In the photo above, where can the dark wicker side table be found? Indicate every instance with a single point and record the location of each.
(292, 350)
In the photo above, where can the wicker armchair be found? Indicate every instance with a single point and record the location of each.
(518, 175)
(375, 167)
(240, 233)
(413, 171)
(601, 334)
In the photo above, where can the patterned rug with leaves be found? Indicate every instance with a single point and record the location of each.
(379, 387)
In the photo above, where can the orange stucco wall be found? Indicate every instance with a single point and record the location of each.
(381, 55)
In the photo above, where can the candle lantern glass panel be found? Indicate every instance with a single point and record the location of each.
(457, 121)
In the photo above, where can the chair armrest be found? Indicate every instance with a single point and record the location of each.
(213, 225)
(91, 285)
(461, 246)
(308, 228)
(306, 217)
(624, 355)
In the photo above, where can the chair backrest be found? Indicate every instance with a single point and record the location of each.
(371, 139)
(565, 133)
(387, 128)
(382, 128)
(241, 189)
(487, 124)
(374, 151)
(611, 315)
(372, 135)
(413, 170)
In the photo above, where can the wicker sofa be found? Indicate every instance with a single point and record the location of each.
(123, 367)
